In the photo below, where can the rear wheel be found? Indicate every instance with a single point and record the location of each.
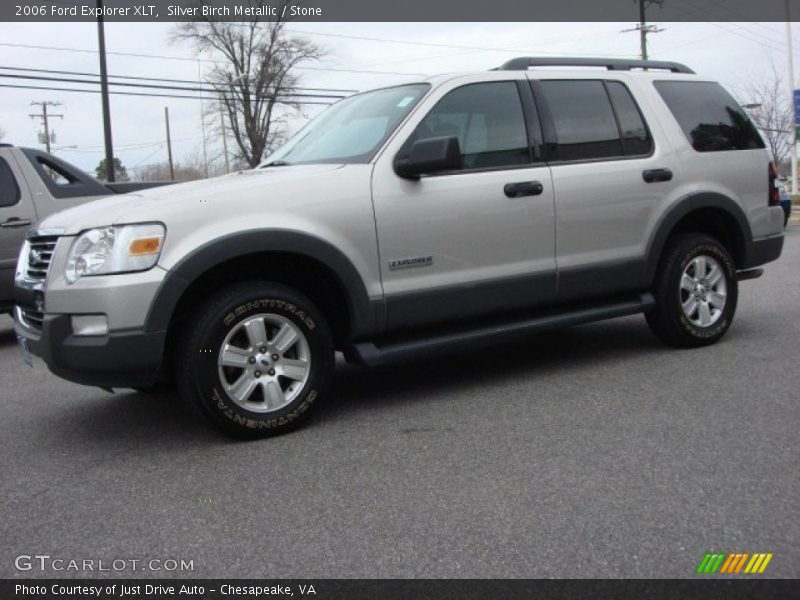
(695, 291)
(256, 359)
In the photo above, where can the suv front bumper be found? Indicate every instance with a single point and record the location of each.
(129, 358)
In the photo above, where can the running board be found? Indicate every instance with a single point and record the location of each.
(380, 352)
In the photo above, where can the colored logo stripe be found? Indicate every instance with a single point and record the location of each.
(758, 563)
(734, 563)
(710, 563)
(720, 562)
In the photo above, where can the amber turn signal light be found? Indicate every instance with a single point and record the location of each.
(145, 246)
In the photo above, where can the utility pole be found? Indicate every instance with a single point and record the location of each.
(101, 43)
(643, 28)
(792, 99)
(202, 120)
(224, 140)
(44, 116)
(169, 146)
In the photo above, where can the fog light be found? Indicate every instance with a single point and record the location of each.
(89, 324)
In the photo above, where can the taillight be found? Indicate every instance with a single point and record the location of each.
(774, 194)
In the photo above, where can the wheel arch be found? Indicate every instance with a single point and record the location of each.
(705, 212)
(257, 252)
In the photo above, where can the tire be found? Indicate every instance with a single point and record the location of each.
(260, 396)
(679, 317)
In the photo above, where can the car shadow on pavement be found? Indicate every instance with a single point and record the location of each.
(161, 421)
(7, 335)
(153, 422)
(542, 354)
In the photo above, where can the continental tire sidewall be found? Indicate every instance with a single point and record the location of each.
(218, 322)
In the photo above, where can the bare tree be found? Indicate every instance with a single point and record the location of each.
(160, 172)
(258, 76)
(770, 109)
(2, 133)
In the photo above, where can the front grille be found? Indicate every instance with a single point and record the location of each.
(40, 254)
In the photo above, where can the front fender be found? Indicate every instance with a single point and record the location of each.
(365, 316)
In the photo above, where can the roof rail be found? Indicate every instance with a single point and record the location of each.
(612, 64)
(6, 145)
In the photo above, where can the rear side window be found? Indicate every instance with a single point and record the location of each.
(62, 179)
(585, 127)
(9, 190)
(709, 116)
(593, 120)
(635, 136)
(56, 174)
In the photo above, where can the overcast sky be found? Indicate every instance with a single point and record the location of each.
(733, 53)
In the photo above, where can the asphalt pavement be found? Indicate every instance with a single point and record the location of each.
(590, 452)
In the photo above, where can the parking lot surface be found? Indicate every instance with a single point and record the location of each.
(590, 452)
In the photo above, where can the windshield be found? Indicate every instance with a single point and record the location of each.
(351, 130)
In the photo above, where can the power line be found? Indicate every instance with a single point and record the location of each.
(211, 60)
(450, 46)
(162, 79)
(721, 4)
(759, 38)
(508, 49)
(160, 87)
(119, 93)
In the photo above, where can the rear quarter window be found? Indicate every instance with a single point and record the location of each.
(709, 116)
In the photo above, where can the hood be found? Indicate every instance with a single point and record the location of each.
(166, 202)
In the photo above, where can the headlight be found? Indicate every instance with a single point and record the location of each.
(122, 249)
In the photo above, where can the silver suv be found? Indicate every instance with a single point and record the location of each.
(449, 213)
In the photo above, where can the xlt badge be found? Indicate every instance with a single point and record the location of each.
(412, 261)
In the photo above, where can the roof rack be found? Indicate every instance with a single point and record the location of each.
(612, 64)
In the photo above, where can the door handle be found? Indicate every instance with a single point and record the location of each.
(15, 222)
(523, 188)
(654, 175)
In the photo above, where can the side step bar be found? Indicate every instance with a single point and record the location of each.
(380, 352)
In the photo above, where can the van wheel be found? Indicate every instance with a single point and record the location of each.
(695, 292)
(256, 359)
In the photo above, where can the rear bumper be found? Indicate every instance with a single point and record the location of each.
(120, 359)
(763, 250)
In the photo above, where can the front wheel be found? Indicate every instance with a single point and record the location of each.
(256, 359)
(695, 292)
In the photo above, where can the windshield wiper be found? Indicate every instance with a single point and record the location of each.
(277, 163)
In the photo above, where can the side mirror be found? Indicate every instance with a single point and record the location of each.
(431, 155)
